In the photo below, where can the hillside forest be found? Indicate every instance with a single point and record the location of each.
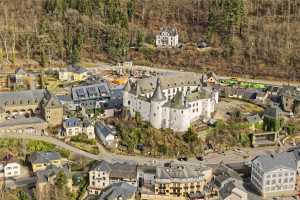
(254, 38)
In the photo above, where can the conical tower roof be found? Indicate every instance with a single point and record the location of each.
(158, 95)
(178, 101)
(127, 86)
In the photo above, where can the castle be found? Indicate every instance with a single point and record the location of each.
(171, 101)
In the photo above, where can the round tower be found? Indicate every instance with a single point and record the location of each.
(157, 101)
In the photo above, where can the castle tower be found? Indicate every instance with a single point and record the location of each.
(157, 101)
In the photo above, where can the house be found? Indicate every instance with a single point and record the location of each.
(73, 73)
(46, 178)
(72, 127)
(167, 38)
(107, 134)
(103, 174)
(88, 129)
(262, 97)
(39, 102)
(116, 191)
(274, 175)
(10, 169)
(91, 96)
(40, 160)
(272, 118)
(212, 78)
(23, 79)
(229, 185)
(146, 175)
(254, 121)
(176, 180)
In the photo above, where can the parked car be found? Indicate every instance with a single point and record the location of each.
(182, 158)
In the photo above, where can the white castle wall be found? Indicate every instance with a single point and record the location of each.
(160, 116)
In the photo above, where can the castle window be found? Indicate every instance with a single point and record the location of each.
(128, 102)
(182, 112)
(154, 114)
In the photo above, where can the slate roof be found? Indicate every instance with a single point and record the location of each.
(21, 97)
(274, 161)
(72, 122)
(170, 80)
(181, 172)
(178, 101)
(273, 112)
(94, 91)
(117, 191)
(116, 170)
(158, 94)
(51, 101)
(43, 157)
(169, 30)
(104, 130)
(76, 69)
(44, 175)
(253, 119)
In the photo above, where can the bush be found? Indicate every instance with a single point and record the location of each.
(82, 138)
(35, 145)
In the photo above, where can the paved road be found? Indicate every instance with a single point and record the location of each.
(214, 158)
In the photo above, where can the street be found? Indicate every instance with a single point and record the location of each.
(243, 155)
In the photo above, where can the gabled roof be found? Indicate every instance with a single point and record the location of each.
(272, 112)
(20, 71)
(51, 101)
(76, 69)
(253, 119)
(72, 122)
(50, 171)
(43, 157)
(116, 170)
(169, 30)
(116, 191)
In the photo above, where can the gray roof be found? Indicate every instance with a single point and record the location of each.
(272, 112)
(43, 157)
(105, 130)
(116, 170)
(87, 92)
(50, 171)
(169, 30)
(51, 101)
(118, 191)
(274, 161)
(170, 80)
(253, 119)
(179, 172)
(178, 101)
(158, 94)
(21, 97)
(72, 122)
(76, 69)
(101, 166)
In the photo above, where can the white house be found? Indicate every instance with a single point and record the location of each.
(107, 134)
(72, 127)
(103, 174)
(73, 73)
(171, 101)
(10, 169)
(88, 129)
(275, 174)
(167, 38)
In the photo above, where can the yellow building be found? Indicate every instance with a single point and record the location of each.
(177, 180)
(41, 160)
(73, 73)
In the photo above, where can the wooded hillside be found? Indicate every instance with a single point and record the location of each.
(260, 38)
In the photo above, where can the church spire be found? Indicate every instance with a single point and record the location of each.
(158, 94)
